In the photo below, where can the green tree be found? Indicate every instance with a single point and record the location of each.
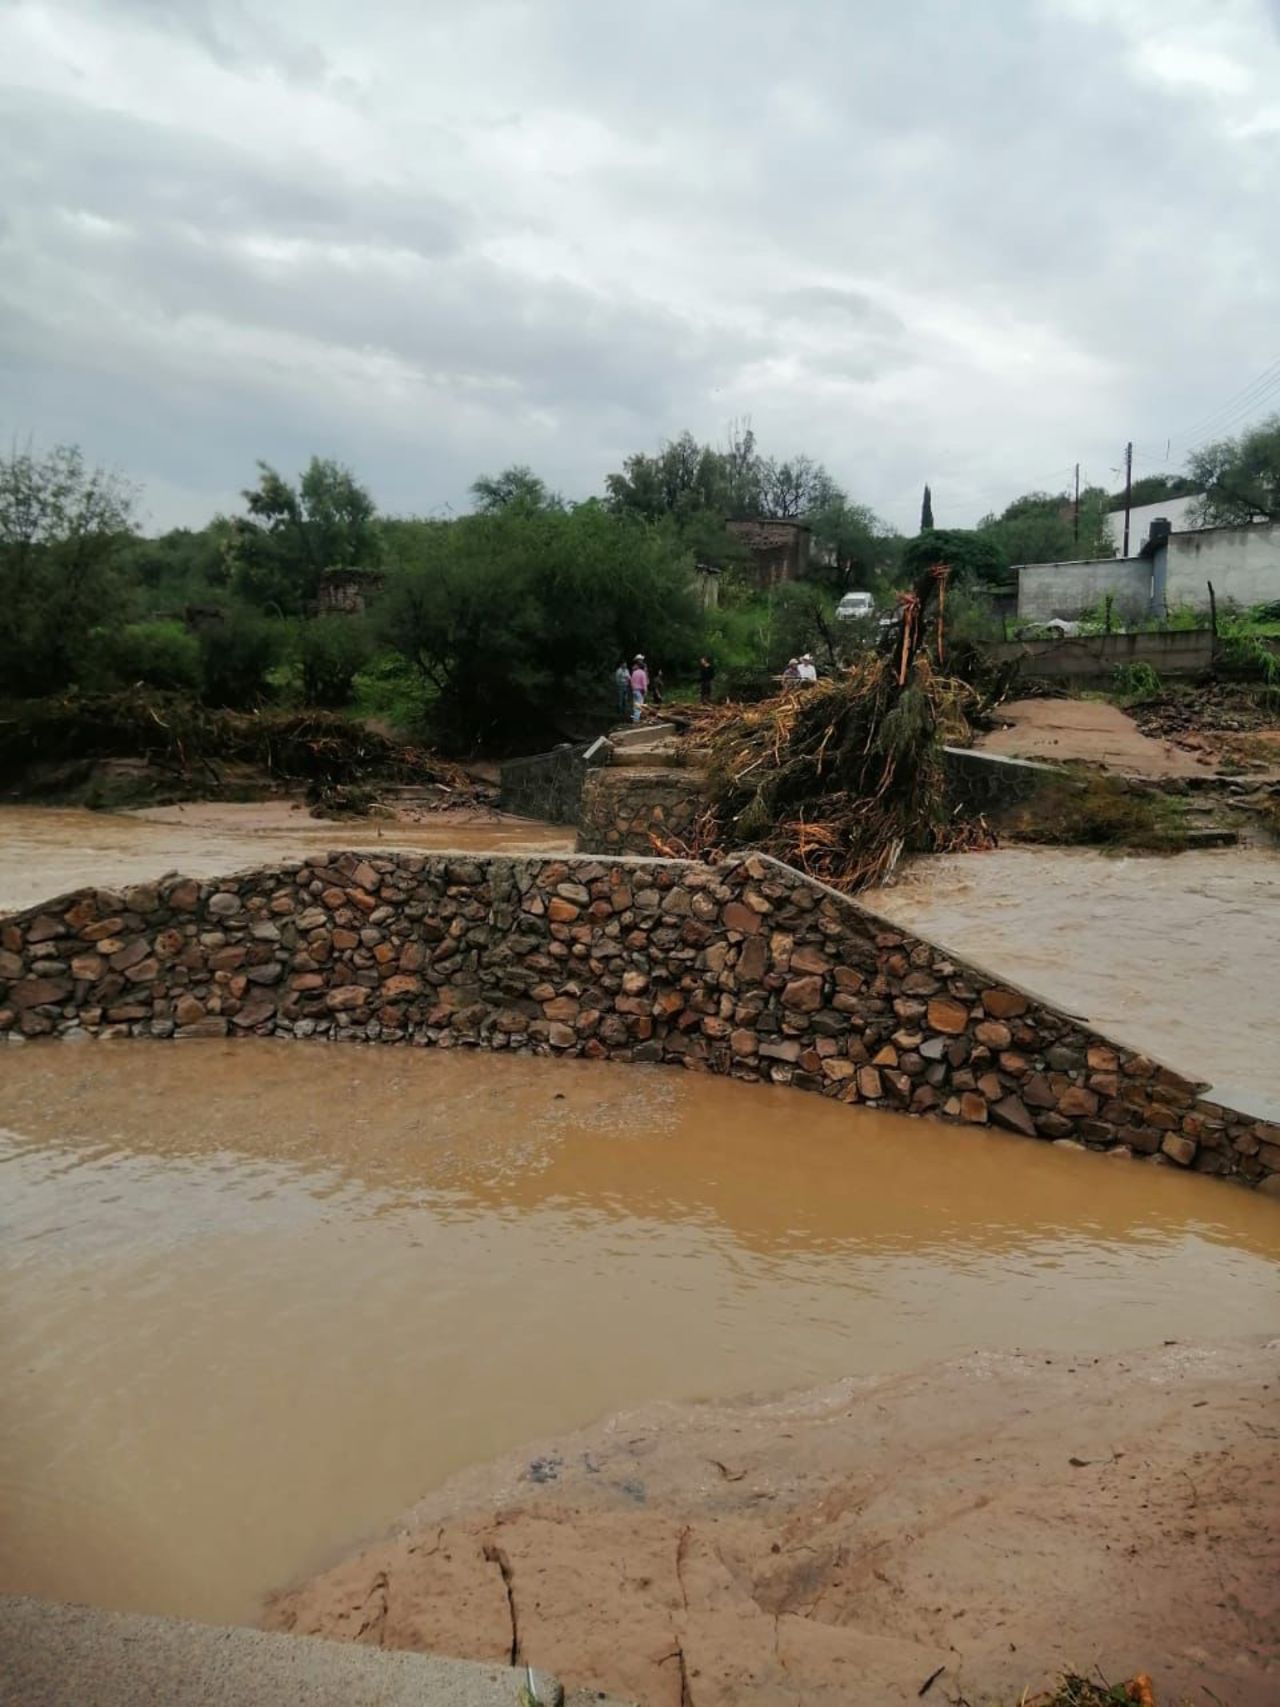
(926, 510)
(790, 490)
(515, 620)
(973, 556)
(517, 487)
(684, 479)
(63, 528)
(1039, 527)
(181, 567)
(332, 650)
(1154, 489)
(1240, 477)
(852, 546)
(292, 534)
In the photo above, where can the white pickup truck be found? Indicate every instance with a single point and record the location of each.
(855, 605)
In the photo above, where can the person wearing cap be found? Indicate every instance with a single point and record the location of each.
(639, 686)
(792, 671)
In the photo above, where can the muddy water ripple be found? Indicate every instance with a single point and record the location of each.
(257, 1297)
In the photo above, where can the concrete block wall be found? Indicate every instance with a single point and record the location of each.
(1069, 589)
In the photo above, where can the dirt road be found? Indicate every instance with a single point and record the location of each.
(1091, 731)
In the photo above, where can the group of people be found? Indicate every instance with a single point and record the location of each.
(802, 669)
(635, 683)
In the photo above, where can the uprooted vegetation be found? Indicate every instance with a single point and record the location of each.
(181, 749)
(840, 778)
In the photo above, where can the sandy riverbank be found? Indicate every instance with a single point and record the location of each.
(1001, 1516)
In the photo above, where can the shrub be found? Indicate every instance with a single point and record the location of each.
(146, 654)
(1243, 653)
(1137, 681)
(238, 650)
(331, 650)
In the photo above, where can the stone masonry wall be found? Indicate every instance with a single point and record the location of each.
(746, 968)
(622, 810)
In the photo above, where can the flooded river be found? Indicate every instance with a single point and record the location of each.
(49, 850)
(1174, 956)
(257, 1297)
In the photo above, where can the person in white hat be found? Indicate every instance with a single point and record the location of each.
(639, 686)
(808, 669)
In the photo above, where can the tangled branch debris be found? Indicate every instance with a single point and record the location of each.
(190, 742)
(840, 778)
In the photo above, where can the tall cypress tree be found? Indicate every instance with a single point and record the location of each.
(926, 511)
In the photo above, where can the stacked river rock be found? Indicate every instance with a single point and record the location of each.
(745, 968)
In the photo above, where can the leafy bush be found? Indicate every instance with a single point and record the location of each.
(238, 651)
(515, 621)
(1137, 681)
(331, 651)
(147, 654)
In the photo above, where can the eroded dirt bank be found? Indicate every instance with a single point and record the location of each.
(1002, 1515)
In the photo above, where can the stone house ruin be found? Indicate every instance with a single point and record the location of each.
(780, 550)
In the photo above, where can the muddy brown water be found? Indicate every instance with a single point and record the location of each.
(49, 850)
(257, 1297)
(1174, 956)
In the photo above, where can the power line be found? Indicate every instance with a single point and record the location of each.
(1220, 420)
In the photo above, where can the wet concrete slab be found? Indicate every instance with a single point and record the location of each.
(57, 1655)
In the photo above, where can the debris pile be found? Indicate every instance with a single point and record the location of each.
(190, 744)
(841, 777)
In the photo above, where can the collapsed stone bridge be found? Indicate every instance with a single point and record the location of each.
(746, 968)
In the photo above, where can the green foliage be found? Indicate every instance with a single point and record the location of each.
(238, 650)
(802, 619)
(1240, 477)
(852, 547)
(972, 555)
(926, 511)
(1243, 653)
(1137, 681)
(291, 535)
(970, 617)
(1154, 489)
(331, 651)
(180, 568)
(1039, 527)
(390, 691)
(518, 488)
(63, 526)
(146, 654)
(516, 619)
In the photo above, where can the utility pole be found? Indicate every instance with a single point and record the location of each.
(1075, 514)
(1128, 492)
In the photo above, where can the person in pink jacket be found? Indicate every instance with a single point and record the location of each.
(639, 686)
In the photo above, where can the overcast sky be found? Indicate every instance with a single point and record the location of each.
(967, 241)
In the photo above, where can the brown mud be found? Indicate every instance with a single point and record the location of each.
(1090, 731)
(985, 1524)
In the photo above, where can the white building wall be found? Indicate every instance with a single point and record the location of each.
(1176, 511)
(1243, 564)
